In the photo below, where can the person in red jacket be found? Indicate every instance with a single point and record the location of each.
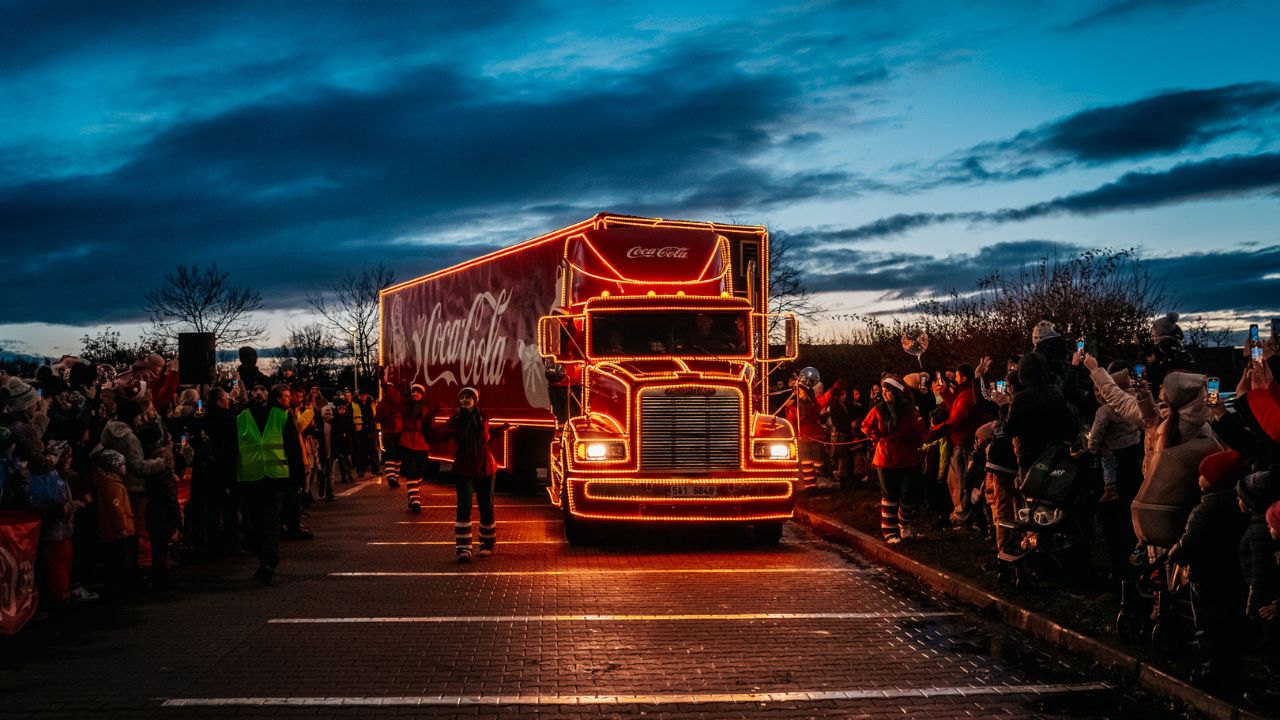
(415, 428)
(473, 471)
(803, 414)
(894, 424)
(963, 420)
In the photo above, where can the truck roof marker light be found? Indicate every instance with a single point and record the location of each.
(652, 293)
(679, 293)
(604, 293)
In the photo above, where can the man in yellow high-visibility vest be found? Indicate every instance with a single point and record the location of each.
(270, 462)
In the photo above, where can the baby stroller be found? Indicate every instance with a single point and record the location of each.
(1157, 600)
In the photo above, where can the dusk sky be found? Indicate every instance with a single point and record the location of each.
(906, 148)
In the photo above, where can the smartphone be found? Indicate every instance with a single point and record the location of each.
(1001, 385)
(1079, 345)
(184, 439)
(199, 404)
(1256, 354)
(1253, 334)
(39, 392)
(1212, 386)
(1139, 371)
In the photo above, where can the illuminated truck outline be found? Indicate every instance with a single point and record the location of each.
(580, 413)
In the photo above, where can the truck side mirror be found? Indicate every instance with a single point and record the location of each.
(792, 329)
(549, 336)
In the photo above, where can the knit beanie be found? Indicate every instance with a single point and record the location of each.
(419, 387)
(21, 396)
(1123, 379)
(475, 394)
(985, 432)
(1181, 388)
(109, 460)
(1273, 518)
(1043, 331)
(1165, 328)
(1255, 491)
(1223, 470)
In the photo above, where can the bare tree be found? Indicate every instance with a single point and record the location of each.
(106, 348)
(194, 299)
(787, 290)
(311, 349)
(1200, 334)
(1105, 296)
(352, 313)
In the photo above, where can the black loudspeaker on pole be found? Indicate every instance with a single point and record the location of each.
(197, 358)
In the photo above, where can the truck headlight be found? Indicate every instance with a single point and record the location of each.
(601, 450)
(773, 450)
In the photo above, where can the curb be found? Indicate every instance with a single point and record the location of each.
(1132, 669)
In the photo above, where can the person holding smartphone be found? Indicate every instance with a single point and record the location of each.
(1261, 394)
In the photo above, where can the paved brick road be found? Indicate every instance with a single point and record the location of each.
(373, 618)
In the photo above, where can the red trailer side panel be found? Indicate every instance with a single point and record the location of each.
(476, 325)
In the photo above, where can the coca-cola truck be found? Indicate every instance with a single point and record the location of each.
(629, 358)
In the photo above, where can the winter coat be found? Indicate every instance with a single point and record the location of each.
(1112, 432)
(470, 436)
(1265, 407)
(342, 432)
(115, 513)
(899, 446)
(1212, 534)
(220, 448)
(388, 409)
(963, 419)
(415, 427)
(802, 413)
(120, 437)
(1039, 414)
(1184, 391)
(1258, 564)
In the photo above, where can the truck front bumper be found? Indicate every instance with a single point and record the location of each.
(683, 499)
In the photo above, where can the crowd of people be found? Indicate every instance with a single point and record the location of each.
(132, 472)
(1173, 477)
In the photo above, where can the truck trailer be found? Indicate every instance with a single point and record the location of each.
(628, 357)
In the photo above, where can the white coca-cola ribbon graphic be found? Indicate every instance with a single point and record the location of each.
(471, 345)
(670, 251)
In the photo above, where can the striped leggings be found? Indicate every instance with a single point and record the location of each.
(482, 489)
(898, 487)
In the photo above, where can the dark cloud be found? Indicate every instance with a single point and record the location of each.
(288, 193)
(902, 275)
(1243, 281)
(1116, 10)
(1231, 176)
(35, 34)
(1163, 124)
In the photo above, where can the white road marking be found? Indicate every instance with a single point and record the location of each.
(640, 699)
(608, 571)
(353, 490)
(450, 542)
(686, 617)
(500, 522)
(521, 505)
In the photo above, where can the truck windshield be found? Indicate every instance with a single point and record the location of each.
(640, 334)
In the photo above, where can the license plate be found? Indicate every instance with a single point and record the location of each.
(695, 490)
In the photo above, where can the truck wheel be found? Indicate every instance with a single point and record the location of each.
(576, 531)
(766, 533)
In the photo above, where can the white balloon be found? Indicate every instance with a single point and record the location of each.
(915, 341)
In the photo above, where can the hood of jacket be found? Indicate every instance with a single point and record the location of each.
(1033, 369)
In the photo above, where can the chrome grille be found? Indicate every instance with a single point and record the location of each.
(689, 433)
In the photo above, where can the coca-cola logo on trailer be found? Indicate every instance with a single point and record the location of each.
(473, 344)
(670, 251)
